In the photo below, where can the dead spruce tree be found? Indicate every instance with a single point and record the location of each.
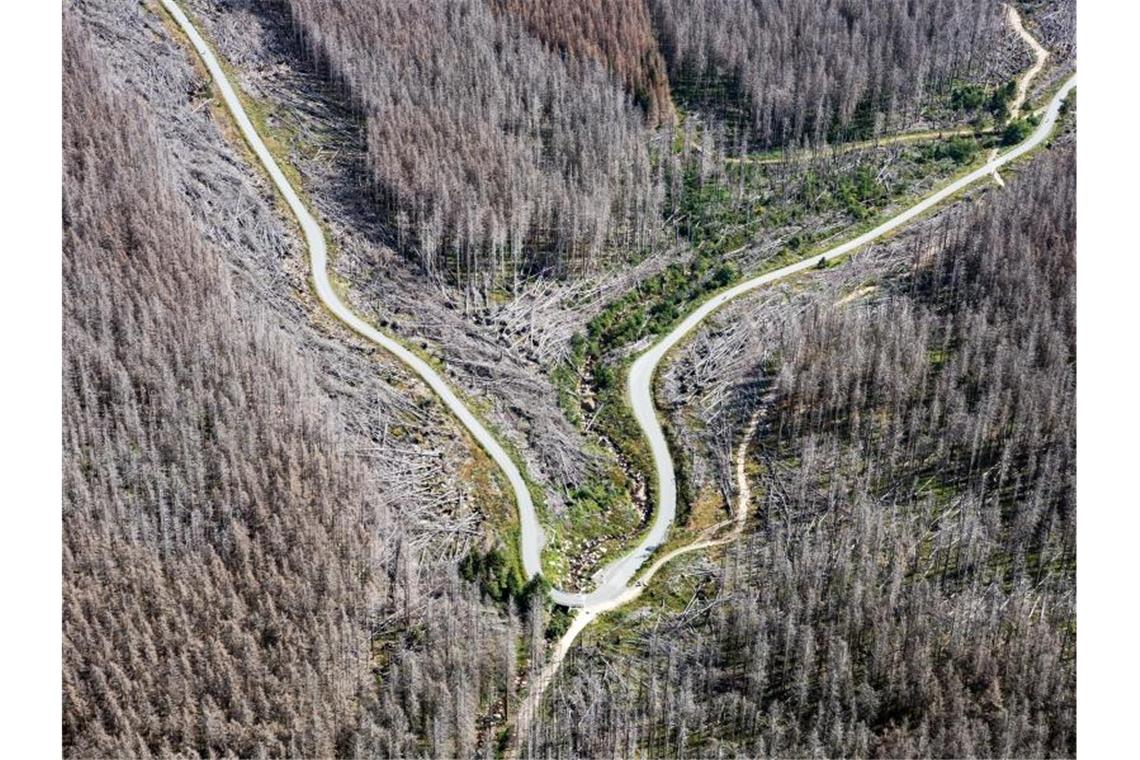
(489, 151)
(233, 582)
(909, 587)
(798, 71)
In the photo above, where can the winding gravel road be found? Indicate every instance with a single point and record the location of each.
(613, 588)
(640, 387)
(533, 537)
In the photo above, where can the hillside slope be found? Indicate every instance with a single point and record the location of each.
(792, 71)
(908, 588)
(236, 572)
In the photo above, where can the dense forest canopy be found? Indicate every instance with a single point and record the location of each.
(214, 540)
(266, 555)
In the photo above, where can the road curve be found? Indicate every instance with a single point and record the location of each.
(615, 578)
(532, 534)
(616, 591)
(1013, 17)
(535, 691)
(640, 382)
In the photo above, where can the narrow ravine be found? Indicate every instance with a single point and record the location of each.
(616, 577)
(640, 392)
(529, 707)
(615, 587)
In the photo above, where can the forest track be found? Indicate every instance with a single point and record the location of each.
(1039, 56)
(1023, 82)
(926, 135)
(531, 530)
(615, 589)
(644, 368)
(641, 395)
(739, 519)
(614, 585)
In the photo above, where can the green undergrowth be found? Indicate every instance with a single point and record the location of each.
(500, 579)
(719, 217)
(599, 517)
(618, 632)
(981, 104)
